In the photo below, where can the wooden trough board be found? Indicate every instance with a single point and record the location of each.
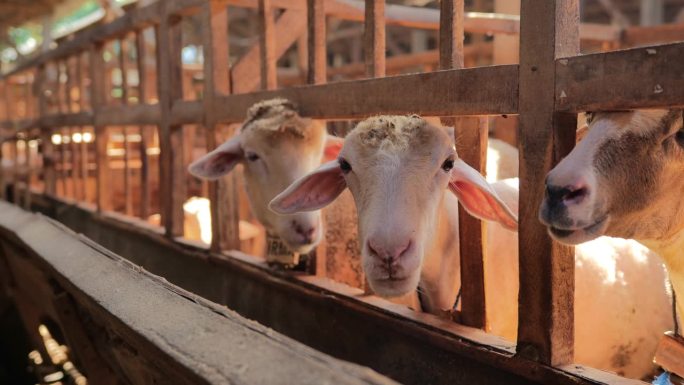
(129, 326)
(413, 348)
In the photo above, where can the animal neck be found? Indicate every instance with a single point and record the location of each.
(441, 273)
(671, 250)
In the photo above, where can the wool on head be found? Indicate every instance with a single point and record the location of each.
(275, 117)
(389, 132)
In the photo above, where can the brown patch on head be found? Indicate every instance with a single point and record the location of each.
(631, 165)
(639, 170)
(272, 120)
(397, 134)
(270, 107)
(389, 131)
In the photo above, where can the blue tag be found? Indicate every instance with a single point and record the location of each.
(663, 379)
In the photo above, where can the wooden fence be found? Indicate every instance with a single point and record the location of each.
(64, 98)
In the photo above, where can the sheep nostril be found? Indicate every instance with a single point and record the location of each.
(566, 195)
(575, 195)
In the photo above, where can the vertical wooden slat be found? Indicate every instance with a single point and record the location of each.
(123, 67)
(29, 99)
(374, 38)
(49, 177)
(98, 98)
(170, 85)
(142, 98)
(317, 66)
(62, 104)
(548, 30)
(471, 144)
(83, 146)
(222, 194)
(451, 34)
(267, 47)
(73, 146)
(316, 36)
(140, 56)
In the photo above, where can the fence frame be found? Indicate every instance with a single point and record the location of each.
(550, 85)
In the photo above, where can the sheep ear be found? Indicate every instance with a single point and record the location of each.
(332, 147)
(312, 191)
(218, 162)
(478, 197)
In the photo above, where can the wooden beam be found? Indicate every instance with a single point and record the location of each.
(141, 55)
(470, 136)
(472, 91)
(71, 82)
(49, 174)
(222, 194)
(267, 45)
(670, 352)
(158, 331)
(123, 67)
(245, 74)
(171, 164)
(648, 77)
(97, 91)
(451, 34)
(549, 29)
(374, 38)
(316, 40)
(641, 36)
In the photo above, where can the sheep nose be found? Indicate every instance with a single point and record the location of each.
(567, 195)
(307, 233)
(390, 252)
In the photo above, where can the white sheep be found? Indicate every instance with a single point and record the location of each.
(398, 170)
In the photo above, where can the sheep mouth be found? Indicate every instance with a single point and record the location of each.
(392, 287)
(573, 236)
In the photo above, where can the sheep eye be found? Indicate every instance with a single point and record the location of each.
(252, 156)
(344, 165)
(448, 165)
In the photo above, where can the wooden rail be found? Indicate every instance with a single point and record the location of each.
(551, 84)
(147, 330)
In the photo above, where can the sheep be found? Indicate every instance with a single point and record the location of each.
(624, 180)
(275, 146)
(398, 168)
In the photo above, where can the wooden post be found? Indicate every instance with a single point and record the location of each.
(269, 80)
(316, 74)
(548, 30)
(471, 144)
(141, 54)
(374, 38)
(506, 51)
(73, 146)
(49, 177)
(97, 82)
(223, 193)
(83, 146)
(170, 84)
(123, 66)
(317, 65)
